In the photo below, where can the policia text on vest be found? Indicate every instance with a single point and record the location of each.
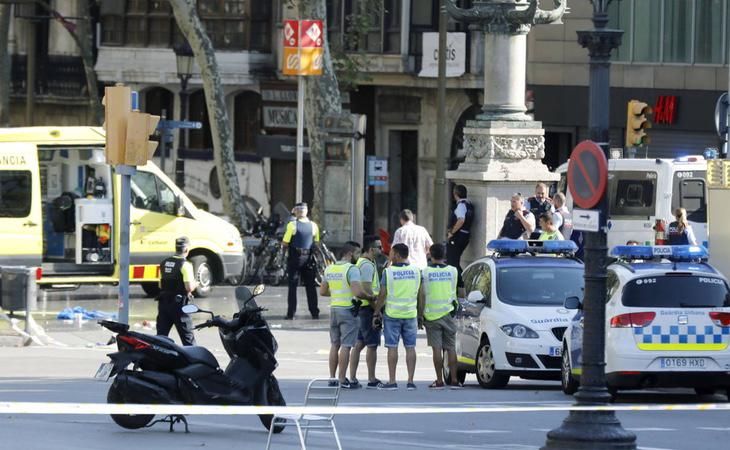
(177, 282)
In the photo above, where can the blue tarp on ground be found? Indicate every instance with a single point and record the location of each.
(70, 314)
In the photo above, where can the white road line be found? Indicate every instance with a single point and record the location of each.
(541, 430)
(651, 429)
(477, 431)
(391, 431)
(652, 448)
(714, 428)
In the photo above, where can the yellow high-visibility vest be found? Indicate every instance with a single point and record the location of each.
(403, 283)
(440, 288)
(336, 277)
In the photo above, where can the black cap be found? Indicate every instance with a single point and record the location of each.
(181, 243)
(301, 205)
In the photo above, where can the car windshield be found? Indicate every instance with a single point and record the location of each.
(539, 286)
(677, 291)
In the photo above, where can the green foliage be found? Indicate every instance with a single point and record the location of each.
(349, 56)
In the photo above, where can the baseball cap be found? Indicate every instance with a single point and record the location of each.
(182, 243)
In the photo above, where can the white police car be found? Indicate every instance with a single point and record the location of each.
(513, 319)
(667, 322)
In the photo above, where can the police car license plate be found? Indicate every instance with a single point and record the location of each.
(683, 363)
(556, 351)
(104, 371)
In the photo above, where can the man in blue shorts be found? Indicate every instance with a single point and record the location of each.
(399, 296)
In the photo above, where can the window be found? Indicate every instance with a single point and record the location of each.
(15, 193)
(646, 30)
(612, 284)
(383, 35)
(708, 31)
(469, 277)
(633, 194)
(199, 139)
(483, 283)
(620, 18)
(247, 121)
(150, 193)
(539, 286)
(157, 100)
(689, 193)
(678, 37)
(677, 291)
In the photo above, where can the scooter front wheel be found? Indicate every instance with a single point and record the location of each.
(273, 397)
(128, 421)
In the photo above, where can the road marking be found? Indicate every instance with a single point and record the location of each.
(391, 431)
(652, 448)
(541, 430)
(477, 431)
(651, 429)
(713, 428)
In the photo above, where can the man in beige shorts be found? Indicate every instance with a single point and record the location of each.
(436, 301)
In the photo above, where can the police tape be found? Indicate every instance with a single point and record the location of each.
(138, 409)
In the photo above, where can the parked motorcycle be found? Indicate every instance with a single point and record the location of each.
(165, 373)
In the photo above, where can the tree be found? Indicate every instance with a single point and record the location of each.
(186, 16)
(4, 65)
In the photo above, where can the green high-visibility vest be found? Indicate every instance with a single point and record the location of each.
(440, 288)
(375, 282)
(403, 283)
(340, 291)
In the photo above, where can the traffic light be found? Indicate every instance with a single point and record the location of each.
(127, 132)
(117, 108)
(636, 123)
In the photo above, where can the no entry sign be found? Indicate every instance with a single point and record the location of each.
(587, 174)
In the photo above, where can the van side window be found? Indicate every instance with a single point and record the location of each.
(15, 193)
(633, 194)
(150, 193)
(692, 198)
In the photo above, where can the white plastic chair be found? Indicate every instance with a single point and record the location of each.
(319, 393)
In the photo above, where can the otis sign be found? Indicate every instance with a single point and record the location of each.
(303, 52)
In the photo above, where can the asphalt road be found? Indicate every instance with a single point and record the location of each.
(61, 372)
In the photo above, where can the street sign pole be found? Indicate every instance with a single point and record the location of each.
(125, 200)
(300, 140)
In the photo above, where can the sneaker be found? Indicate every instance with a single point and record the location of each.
(436, 385)
(373, 384)
(348, 385)
(355, 384)
(388, 386)
(411, 386)
(456, 386)
(333, 383)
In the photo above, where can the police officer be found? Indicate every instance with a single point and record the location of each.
(538, 205)
(459, 225)
(177, 282)
(436, 301)
(399, 297)
(680, 231)
(519, 222)
(300, 237)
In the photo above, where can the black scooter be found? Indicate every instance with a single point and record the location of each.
(165, 373)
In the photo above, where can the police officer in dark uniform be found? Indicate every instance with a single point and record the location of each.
(538, 205)
(519, 222)
(177, 282)
(300, 237)
(458, 235)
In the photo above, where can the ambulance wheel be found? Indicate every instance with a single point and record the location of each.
(203, 275)
(151, 289)
(487, 376)
(567, 381)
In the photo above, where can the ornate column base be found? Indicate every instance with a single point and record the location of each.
(503, 157)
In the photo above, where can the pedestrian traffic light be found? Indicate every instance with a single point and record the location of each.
(139, 147)
(117, 108)
(636, 123)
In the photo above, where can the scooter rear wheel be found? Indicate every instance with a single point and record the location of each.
(128, 421)
(273, 398)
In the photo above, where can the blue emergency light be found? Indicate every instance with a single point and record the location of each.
(513, 246)
(670, 252)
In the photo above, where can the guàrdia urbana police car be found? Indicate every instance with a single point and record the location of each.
(667, 322)
(513, 319)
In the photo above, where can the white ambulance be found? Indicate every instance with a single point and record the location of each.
(643, 190)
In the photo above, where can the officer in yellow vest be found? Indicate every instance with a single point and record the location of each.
(399, 296)
(436, 301)
(368, 336)
(342, 283)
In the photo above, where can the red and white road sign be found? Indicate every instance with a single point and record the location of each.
(311, 33)
(291, 33)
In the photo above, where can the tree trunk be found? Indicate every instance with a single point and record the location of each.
(85, 40)
(192, 28)
(5, 62)
(322, 97)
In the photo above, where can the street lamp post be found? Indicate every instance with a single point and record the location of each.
(184, 58)
(595, 429)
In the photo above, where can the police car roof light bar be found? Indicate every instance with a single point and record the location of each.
(506, 246)
(673, 253)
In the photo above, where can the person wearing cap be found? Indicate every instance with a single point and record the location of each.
(299, 239)
(177, 283)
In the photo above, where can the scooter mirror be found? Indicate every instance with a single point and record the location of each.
(190, 309)
(259, 289)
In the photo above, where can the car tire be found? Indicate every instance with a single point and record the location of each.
(487, 376)
(567, 381)
(704, 391)
(203, 276)
(460, 374)
(151, 290)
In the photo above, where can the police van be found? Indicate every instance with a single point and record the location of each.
(644, 190)
(59, 211)
(513, 319)
(667, 322)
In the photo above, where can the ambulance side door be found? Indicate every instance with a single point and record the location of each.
(21, 218)
(153, 218)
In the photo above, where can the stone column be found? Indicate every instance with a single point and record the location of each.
(503, 146)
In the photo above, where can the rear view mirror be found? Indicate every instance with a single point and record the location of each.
(190, 309)
(259, 289)
(475, 297)
(572, 303)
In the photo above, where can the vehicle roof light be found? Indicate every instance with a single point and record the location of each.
(513, 246)
(670, 252)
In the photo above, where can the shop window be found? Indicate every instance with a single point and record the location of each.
(247, 121)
